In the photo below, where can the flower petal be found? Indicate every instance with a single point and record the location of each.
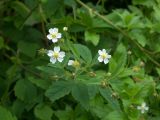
(56, 49)
(54, 40)
(108, 56)
(50, 53)
(142, 111)
(51, 30)
(146, 108)
(52, 60)
(106, 61)
(70, 62)
(138, 107)
(62, 54)
(100, 59)
(55, 30)
(104, 51)
(49, 36)
(59, 35)
(143, 104)
(60, 59)
(100, 52)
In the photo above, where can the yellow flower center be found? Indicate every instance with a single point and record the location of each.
(104, 55)
(55, 55)
(76, 63)
(53, 35)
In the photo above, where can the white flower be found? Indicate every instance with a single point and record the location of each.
(54, 35)
(103, 56)
(74, 63)
(56, 55)
(65, 28)
(143, 107)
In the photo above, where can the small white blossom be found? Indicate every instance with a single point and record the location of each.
(54, 35)
(143, 107)
(65, 28)
(56, 55)
(74, 63)
(103, 56)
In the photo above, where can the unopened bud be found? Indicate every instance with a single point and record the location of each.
(142, 64)
(114, 95)
(92, 74)
(42, 51)
(104, 84)
(109, 74)
(129, 52)
(136, 68)
(65, 28)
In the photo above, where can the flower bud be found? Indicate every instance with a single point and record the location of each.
(103, 84)
(65, 28)
(42, 51)
(92, 74)
(109, 74)
(129, 52)
(142, 64)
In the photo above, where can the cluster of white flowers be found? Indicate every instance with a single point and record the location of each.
(57, 55)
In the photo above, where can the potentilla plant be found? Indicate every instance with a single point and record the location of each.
(72, 67)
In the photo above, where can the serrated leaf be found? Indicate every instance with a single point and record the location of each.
(84, 52)
(58, 90)
(43, 112)
(92, 91)
(25, 90)
(118, 61)
(114, 116)
(42, 83)
(107, 94)
(80, 93)
(27, 48)
(65, 114)
(92, 37)
(6, 115)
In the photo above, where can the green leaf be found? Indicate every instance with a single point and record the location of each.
(18, 107)
(51, 6)
(80, 93)
(43, 112)
(70, 3)
(1, 42)
(65, 114)
(21, 8)
(6, 115)
(58, 90)
(139, 37)
(25, 90)
(92, 37)
(27, 48)
(118, 60)
(84, 52)
(42, 83)
(107, 94)
(92, 90)
(114, 116)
